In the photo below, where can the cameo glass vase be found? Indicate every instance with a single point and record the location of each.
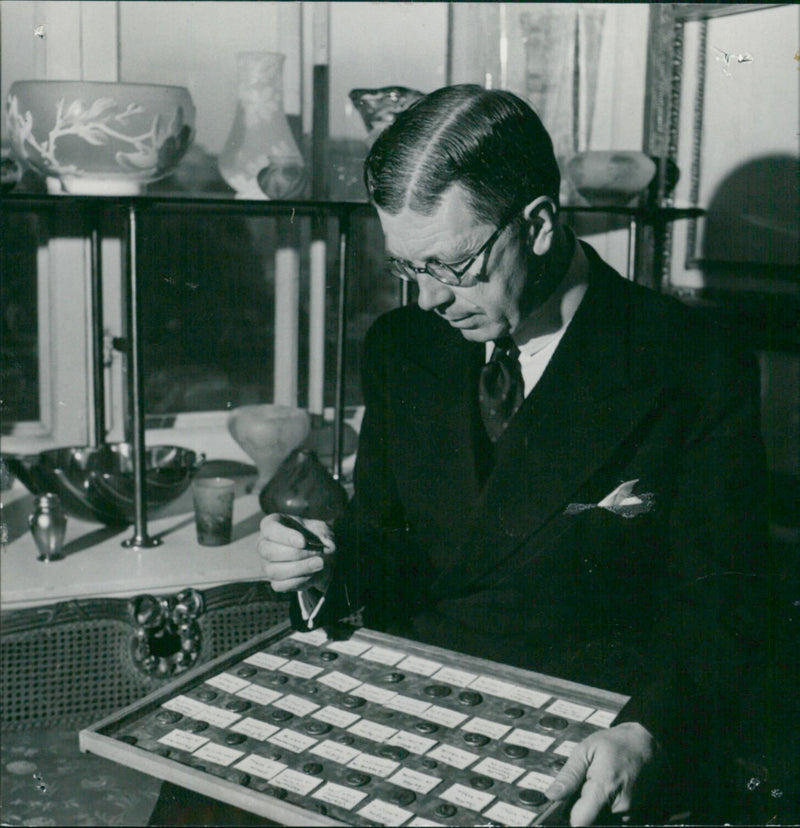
(378, 108)
(260, 158)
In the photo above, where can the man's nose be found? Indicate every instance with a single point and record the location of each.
(431, 292)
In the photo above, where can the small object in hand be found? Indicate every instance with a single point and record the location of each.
(312, 541)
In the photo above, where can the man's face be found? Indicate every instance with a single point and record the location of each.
(491, 307)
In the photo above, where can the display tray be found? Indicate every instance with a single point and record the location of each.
(355, 727)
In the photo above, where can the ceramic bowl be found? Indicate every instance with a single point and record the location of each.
(99, 138)
(612, 178)
(97, 484)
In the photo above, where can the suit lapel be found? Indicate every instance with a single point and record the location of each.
(583, 408)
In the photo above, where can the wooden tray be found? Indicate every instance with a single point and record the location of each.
(355, 727)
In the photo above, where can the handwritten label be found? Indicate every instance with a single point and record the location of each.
(258, 694)
(384, 813)
(411, 741)
(415, 781)
(291, 740)
(266, 660)
(227, 682)
(301, 669)
(296, 704)
(372, 730)
(467, 797)
(339, 795)
(529, 739)
(504, 814)
(570, 710)
(454, 756)
(493, 730)
(183, 741)
(383, 655)
(339, 681)
(218, 754)
(504, 771)
(296, 782)
(255, 728)
(260, 766)
(335, 751)
(335, 716)
(422, 666)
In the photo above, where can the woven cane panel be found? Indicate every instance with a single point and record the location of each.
(72, 674)
(68, 675)
(227, 627)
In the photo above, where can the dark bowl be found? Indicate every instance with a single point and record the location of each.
(96, 483)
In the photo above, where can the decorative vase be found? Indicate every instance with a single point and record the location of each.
(260, 157)
(610, 178)
(268, 434)
(302, 486)
(379, 107)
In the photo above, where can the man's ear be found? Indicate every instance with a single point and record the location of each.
(540, 215)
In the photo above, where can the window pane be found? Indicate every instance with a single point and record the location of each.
(208, 308)
(19, 348)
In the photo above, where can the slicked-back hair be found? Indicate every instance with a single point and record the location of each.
(489, 141)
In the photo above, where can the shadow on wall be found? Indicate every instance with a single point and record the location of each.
(751, 227)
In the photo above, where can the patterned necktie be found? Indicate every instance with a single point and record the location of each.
(501, 388)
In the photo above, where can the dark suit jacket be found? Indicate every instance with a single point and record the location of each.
(447, 544)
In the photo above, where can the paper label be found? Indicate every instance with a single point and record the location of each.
(339, 681)
(296, 704)
(450, 675)
(602, 718)
(373, 693)
(218, 754)
(291, 740)
(183, 741)
(493, 730)
(566, 748)
(352, 647)
(339, 795)
(296, 782)
(570, 710)
(411, 741)
(335, 751)
(454, 756)
(227, 682)
(443, 716)
(422, 666)
(383, 655)
(260, 766)
(384, 813)
(266, 660)
(407, 704)
(336, 716)
(422, 783)
(424, 822)
(255, 728)
(258, 694)
(301, 669)
(185, 706)
(537, 781)
(372, 730)
(467, 797)
(314, 637)
(505, 814)
(529, 739)
(375, 765)
(220, 718)
(504, 771)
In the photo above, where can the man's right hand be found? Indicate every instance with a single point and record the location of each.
(290, 562)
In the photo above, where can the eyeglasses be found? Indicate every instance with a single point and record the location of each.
(449, 274)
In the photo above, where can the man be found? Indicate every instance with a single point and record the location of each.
(597, 518)
(607, 532)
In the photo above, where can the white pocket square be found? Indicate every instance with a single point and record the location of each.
(621, 502)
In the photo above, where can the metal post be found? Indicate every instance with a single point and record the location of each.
(98, 365)
(140, 539)
(338, 425)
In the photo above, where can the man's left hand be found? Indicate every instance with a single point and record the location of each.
(611, 770)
